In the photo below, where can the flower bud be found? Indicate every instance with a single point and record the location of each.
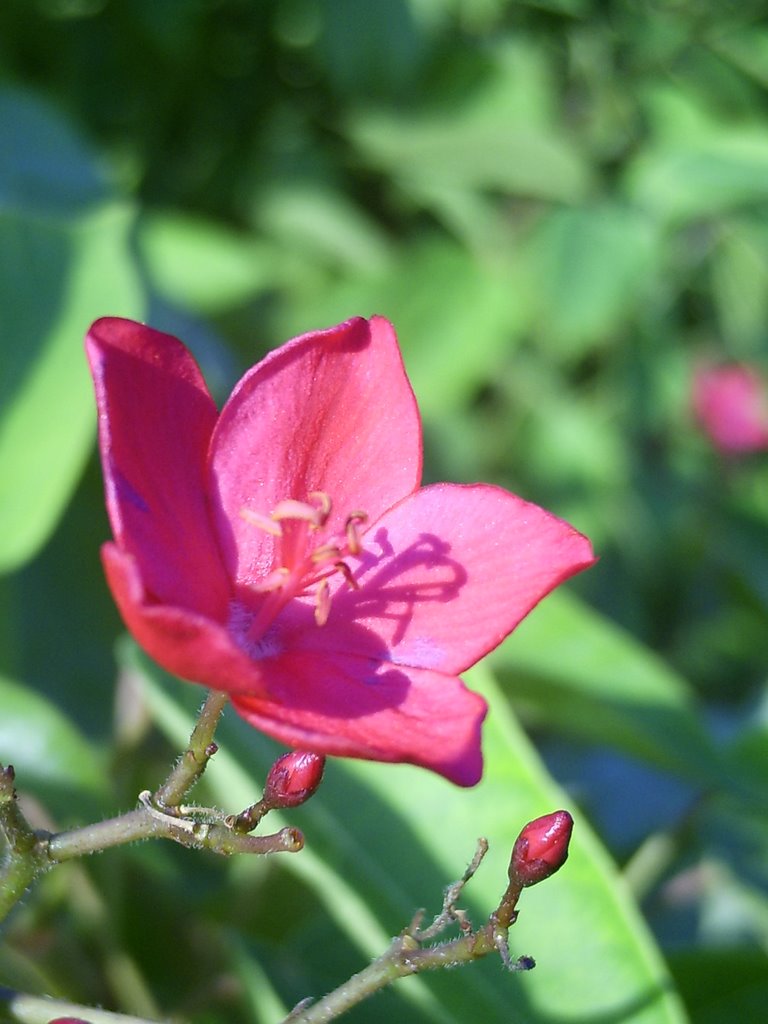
(541, 848)
(293, 778)
(68, 1020)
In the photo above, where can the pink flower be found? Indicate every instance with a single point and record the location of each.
(283, 551)
(731, 404)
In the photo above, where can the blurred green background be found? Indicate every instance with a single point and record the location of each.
(563, 208)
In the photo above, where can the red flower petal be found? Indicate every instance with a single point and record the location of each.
(330, 411)
(353, 707)
(155, 422)
(444, 577)
(183, 642)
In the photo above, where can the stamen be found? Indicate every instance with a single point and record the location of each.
(322, 603)
(346, 572)
(325, 553)
(325, 506)
(303, 571)
(289, 508)
(350, 529)
(262, 522)
(272, 581)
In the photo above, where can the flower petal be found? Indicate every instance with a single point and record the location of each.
(444, 576)
(352, 707)
(184, 642)
(330, 411)
(155, 423)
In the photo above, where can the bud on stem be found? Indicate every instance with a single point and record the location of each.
(541, 849)
(293, 778)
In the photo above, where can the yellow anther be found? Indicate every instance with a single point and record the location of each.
(350, 529)
(263, 522)
(272, 581)
(325, 553)
(322, 603)
(325, 506)
(289, 508)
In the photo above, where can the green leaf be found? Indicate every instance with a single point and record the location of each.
(383, 841)
(739, 280)
(702, 178)
(481, 153)
(588, 268)
(45, 748)
(320, 221)
(44, 166)
(60, 276)
(723, 985)
(573, 670)
(202, 265)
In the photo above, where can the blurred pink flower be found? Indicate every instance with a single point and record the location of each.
(730, 403)
(283, 551)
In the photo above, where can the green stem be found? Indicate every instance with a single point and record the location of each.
(408, 955)
(404, 957)
(28, 853)
(147, 822)
(195, 758)
(24, 856)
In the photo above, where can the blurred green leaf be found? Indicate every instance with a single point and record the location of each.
(740, 286)
(723, 985)
(471, 153)
(325, 224)
(700, 179)
(203, 265)
(587, 270)
(44, 166)
(383, 840)
(575, 671)
(63, 276)
(369, 48)
(45, 748)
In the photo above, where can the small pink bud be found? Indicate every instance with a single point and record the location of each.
(293, 778)
(68, 1020)
(541, 848)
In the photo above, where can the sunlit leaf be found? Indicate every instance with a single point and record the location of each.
(203, 265)
(571, 668)
(702, 178)
(66, 261)
(588, 269)
(63, 275)
(483, 154)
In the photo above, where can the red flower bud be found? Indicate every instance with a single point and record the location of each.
(68, 1020)
(293, 778)
(541, 848)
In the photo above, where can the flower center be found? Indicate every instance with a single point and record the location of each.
(301, 567)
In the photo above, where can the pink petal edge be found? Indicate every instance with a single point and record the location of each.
(345, 709)
(155, 422)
